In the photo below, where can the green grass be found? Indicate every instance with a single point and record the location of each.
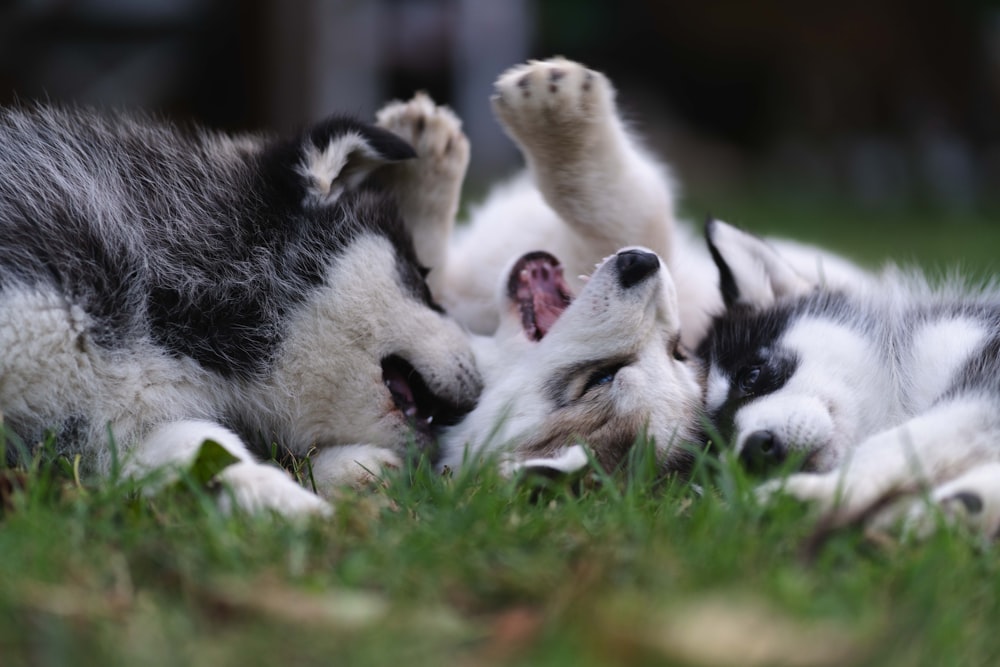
(475, 570)
(472, 569)
(909, 235)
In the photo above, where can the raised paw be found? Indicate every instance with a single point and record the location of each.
(428, 188)
(435, 133)
(552, 101)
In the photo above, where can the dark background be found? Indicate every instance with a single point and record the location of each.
(888, 105)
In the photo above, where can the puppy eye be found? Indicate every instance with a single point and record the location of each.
(600, 378)
(677, 350)
(748, 379)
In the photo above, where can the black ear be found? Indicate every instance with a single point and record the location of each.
(751, 272)
(338, 154)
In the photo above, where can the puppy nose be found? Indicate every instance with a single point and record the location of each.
(762, 452)
(634, 265)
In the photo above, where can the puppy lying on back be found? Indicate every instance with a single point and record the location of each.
(590, 190)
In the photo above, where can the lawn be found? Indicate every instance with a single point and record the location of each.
(471, 569)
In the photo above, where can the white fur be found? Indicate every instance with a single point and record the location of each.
(429, 187)
(935, 446)
(363, 315)
(158, 284)
(892, 391)
(251, 486)
(939, 350)
(653, 392)
(972, 499)
(840, 392)
(326, 168)
(590, 189)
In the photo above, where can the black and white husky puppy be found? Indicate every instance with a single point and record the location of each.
(882, 389)
(167, 286)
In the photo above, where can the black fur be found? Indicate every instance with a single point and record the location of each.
(114, 201)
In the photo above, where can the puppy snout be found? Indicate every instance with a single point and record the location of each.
(635, 265)
(763, 452)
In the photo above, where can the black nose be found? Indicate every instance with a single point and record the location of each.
(634, 265)
(762, 452)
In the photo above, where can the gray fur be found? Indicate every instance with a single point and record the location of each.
(152, 274)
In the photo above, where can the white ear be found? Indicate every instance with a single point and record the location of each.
(338, 155)
(751, 272)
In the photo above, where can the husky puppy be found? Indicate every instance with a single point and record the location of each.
(590, 189)
(601, 369)
(881, 389)
(164, 287)
(556, 373)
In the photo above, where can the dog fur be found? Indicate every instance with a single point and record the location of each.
(172, 286)
(603, 370)
(590, 190)
(888, 388)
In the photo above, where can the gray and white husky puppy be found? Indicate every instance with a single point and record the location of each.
(886, 388)
(167, 286)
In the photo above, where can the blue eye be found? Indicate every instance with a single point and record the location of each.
(748, 379)
(600, 377)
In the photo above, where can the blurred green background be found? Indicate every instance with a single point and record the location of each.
(871, 126)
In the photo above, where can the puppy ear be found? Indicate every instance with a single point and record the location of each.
(339, 154)
(751, 272)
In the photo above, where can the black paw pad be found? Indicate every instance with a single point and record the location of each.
(972, 502)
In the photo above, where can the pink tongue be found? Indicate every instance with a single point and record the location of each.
(540, 281)
(400, 389)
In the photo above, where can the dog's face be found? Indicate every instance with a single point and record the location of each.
(399, 369)
(602, 369)
(789, 374)
(369, 358)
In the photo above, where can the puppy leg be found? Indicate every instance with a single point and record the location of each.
(587, 166)
(972, 499)
(930, 448)
(253, 486)
(355, 466)
(429, 187)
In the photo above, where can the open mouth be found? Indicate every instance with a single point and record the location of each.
(537, 286)
(425, 410)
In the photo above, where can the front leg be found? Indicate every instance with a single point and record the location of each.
(935, 446)
(972, 500)
(352, 466)
(251, 486)
(587, 166)
(429, 187)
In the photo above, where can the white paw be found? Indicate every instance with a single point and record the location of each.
(972, 500)
(435, 133)
(840, 495)
(255, 487)
(549, 102)
(355, 466)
